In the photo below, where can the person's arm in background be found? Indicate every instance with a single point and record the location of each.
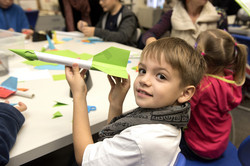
(158, 29)
(11, 120)
(117, 94)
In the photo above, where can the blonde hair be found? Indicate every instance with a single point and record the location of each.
(181, 56)
(221, 51)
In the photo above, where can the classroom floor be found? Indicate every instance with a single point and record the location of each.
(241, 129)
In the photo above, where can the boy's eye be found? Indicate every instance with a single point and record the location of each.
(142, 71)
(161, 76)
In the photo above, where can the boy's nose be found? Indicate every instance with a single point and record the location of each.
(145, 80)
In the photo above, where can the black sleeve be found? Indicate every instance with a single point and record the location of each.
(11, 121)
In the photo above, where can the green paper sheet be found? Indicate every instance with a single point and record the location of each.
(38, 63)
(57, 115)
(112, 61)
(59, 77)
(85, 56)
(59, 104)
(134, 68)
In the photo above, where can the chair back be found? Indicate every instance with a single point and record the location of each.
(180, 160)
(244, 151)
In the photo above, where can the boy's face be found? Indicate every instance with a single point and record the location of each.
(157, 85)
(108, 5)
(5, 3)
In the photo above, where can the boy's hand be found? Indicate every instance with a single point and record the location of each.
(75, 80)
(119, 89)
(88, 31)
(81, 24)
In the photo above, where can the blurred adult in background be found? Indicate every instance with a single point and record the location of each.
(186, 20)
(74, 11)
(13, 18)
(118, 24)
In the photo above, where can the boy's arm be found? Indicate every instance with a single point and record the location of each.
(11, 121)
(118, 92)
(82, 136)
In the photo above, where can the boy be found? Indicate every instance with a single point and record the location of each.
(150, 134)
(13, 18)
(118, 24)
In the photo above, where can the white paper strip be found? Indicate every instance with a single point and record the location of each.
(63, 60)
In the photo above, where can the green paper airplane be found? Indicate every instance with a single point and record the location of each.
(112, 61)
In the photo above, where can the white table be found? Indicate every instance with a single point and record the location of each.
(40, 133)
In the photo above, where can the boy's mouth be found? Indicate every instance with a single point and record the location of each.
(142, 92)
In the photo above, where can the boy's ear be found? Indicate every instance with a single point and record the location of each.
(187, 94)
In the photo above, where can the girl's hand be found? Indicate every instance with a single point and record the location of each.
(119, 89)
(75, 80)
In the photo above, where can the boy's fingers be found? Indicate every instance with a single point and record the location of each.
(75, 68)
(67, 68)
(111, 81)
(83, 72)
(117, 80)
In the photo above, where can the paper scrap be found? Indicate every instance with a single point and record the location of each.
(91, 108)
(59, 77)
(38, 63)
(57, 115)
(67, 39)
(59, 104)
(50, 67)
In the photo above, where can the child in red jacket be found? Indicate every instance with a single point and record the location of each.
(207, 135)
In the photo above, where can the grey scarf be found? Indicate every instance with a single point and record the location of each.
(175, 115)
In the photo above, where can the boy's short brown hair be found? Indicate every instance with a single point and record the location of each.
(181, 56)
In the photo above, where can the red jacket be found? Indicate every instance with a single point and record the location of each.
(210, 123)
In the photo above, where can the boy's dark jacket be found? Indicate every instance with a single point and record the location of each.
(11, 121)
(127, 24)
